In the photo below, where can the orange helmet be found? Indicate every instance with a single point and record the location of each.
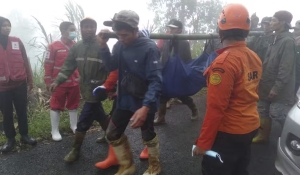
(234, 16)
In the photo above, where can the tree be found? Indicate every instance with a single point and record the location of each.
(198, 16)
(40, 43)
(150, 27)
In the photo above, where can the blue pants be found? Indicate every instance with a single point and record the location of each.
(119, 121)
(89, 113)
(275, 110)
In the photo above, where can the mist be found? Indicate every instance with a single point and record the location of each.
(51, 13)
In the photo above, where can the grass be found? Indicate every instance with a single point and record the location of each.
(39, 125)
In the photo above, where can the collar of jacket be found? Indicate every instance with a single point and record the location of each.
(282, 35)
(235, 44)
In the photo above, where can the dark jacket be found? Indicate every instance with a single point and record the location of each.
(260, 45)
(212, 45)
(142, 60)
(297, 66)
(279, 70)
(180, 47)
(84, 55)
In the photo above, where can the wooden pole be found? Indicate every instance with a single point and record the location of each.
(185, 36)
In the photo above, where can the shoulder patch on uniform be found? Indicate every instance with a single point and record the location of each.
(15, 45)
(218, 69)
(215, 79)
(222, 57)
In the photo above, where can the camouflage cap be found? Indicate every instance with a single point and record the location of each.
(266, 20)
(126, 16)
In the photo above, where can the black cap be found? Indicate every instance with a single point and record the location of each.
(285, 16)
(174, 23)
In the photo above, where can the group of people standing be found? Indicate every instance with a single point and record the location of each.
(262, 69)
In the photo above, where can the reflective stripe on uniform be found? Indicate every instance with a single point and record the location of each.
(3, 78)
(77, 79)
(89, 59)
(79, 59)
(49, 61)
(47, 77)
(62, 75)
(55, 67)
(94, 59)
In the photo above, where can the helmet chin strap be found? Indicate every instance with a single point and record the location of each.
(221, 38)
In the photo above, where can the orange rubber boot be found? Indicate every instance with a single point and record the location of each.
(111, 160)
(144, 153)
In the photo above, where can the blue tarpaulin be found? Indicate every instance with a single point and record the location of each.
(185, 79)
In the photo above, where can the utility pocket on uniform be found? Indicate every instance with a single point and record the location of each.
(19, 71)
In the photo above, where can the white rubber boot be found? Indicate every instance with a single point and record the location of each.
(73, 119)
(55, 116)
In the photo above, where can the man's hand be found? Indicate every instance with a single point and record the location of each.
(139, 117)
(102, 40)
(272, 94)
(198, 151)
(52, 87)
(112, 95)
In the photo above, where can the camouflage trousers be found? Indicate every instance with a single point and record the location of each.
(275, 110)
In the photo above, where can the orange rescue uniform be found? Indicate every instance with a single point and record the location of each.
(232, 81)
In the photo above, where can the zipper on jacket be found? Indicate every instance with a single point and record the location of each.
(84, 63)
(7, 66)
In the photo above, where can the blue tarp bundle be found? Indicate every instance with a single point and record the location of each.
(185, 79)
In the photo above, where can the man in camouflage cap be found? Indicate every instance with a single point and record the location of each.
(137, 60)
(297, 32)
(261, 43)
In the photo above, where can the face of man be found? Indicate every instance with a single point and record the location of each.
(297, 32)
(276, 25)
(70, 33)
(6, 28)
(126, 37)
(88, 30)
(266, 27)
(173, 30)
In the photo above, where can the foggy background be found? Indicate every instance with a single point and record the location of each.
(199, 16)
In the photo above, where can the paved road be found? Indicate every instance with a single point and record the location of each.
(176, 140)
